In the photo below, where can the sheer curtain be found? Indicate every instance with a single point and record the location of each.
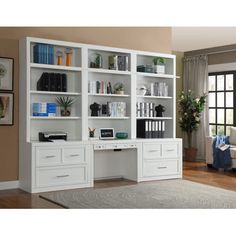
(196, 79)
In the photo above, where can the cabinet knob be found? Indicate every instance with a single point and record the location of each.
(50, 156)
(62, 176)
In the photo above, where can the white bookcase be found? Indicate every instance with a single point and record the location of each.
(79, 75)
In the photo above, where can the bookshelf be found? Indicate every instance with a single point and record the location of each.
(93, 75)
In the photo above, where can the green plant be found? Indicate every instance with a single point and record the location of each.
(65, 102)
(119, 87)
(190, 109)
(98, 60)
(159, 61)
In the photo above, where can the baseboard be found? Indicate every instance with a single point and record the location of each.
(9, 185)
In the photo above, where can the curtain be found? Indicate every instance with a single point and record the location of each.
(196, 79)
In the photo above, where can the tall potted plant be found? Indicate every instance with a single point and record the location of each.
(190, 109)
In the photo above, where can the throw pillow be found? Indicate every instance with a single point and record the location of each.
(232, 137)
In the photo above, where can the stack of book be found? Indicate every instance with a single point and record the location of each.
(148, 128)
(116, 109)
(101, 87)
(145, 109)
(52, 82)
(44, 109)
(118, 62)
(43, 54)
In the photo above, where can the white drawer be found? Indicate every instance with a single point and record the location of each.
(48, 156)
(151, 151)
(74, 155)
(170, 150)
(46, 177)
(157, 168)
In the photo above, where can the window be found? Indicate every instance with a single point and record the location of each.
(221, 100)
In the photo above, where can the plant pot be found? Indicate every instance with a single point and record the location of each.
(65, 112)
(159, 69)
(120, 92)
(190, 154)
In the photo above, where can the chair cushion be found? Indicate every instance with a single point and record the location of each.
(232, 137)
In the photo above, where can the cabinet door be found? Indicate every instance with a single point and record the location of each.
(74, 155)
(46, 177)
(160, 168)
(170, 150)
(48, 156)
(151, 151)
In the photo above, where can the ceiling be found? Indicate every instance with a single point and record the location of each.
(194, 38)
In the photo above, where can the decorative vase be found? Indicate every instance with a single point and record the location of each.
(159, 69)
(65, 111)
(190, 154)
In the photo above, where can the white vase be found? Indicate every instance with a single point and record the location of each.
(159, 69)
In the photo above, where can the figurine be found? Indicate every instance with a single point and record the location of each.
(159, 110)
(68, 52)
(91, 132)
(95, 109)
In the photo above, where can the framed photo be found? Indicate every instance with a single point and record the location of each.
(6, 108)
(6, 73)
(106, 133)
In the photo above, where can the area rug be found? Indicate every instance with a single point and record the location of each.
(165, 194)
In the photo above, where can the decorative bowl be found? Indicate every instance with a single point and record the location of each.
(121, 135)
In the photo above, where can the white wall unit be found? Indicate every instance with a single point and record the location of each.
(75, 163)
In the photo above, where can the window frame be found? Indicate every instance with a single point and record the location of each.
(225, 125)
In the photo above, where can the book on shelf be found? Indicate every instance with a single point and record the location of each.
(116, 109)
(43, 53)
(147, 128)
(99, 87)
(52, 82)
(44, 109)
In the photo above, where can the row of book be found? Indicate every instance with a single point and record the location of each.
(43, 53)
(145, 109)
(147, 128)
(101, 87)
(44, 109)
(118, 62)
(52, 82)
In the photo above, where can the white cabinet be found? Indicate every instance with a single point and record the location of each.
(162, 160)
(52, 166)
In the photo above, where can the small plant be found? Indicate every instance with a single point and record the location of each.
(159, 61)
(98, 60)
(65, 103)
(119, 88)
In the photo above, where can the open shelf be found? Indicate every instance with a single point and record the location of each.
(108, 95)
(55, 67)
(156, 97)
(54, 93)
(108, 118)
(55, 117)
(154, 118)
(106, 71)
(167, 76)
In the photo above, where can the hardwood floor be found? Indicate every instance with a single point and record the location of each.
(193, 171)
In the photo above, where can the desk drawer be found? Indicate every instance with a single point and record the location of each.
(157, 168)
(151, 151)
(48, 156)
(46, 177)
(74, 155)
(170, 150)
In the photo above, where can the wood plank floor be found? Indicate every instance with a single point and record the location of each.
(194, 171)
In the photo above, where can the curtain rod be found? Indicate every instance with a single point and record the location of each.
(211, 53)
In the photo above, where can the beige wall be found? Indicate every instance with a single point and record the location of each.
(9, 134)
(179, 87)
(156, 39)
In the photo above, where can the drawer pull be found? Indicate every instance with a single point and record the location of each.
(162, 167)
(74, 155)
(50, 156)
(153, 150)
(62, 176)
(170, 150)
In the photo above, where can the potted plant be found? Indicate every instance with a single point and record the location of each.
(190, 109)
(159, 65)
(119, 88)
(65, 104)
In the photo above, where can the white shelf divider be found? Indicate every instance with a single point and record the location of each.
(108, 95)
(154, 118)
(106, 71)
(108, 118)
(55, 67)
(54, 117)
(55, 93)
(165, 76)
(156, 97)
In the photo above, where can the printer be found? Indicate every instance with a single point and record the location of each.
(50, 136)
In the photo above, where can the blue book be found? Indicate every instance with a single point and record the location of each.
(36, 53)
(51, 55)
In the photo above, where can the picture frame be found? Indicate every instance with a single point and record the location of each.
(6, 73)
(6, 109)
(106, 133)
